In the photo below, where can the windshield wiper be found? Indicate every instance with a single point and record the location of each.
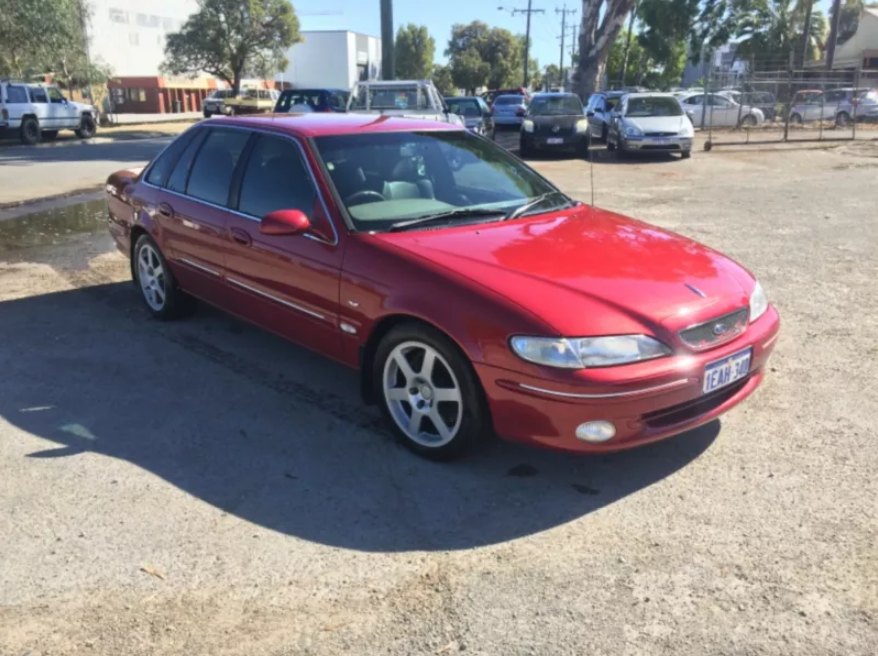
(519, 211)
(444, 216)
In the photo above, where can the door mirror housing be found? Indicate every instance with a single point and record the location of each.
(284, 223)
(590, 113)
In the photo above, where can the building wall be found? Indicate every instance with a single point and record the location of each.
(332, 60)
(852, 52)
(129, 35)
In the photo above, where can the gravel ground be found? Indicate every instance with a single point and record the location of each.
(205, 488)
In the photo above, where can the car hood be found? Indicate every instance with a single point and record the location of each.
(473, 121)
(658, 123)
(565, 121)
(586, 271)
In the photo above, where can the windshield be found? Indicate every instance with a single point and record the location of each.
(654, 106)
(559, 106)
(466, 107)
(390, 97)
(509, 100)
(390, 177)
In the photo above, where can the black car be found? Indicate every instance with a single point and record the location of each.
(312, 100)
(475, 112)
(554, 121)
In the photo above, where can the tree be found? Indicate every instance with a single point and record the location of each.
(469, 71)
(616, 57)
(443, 80)
(849, 18)
(231, 38)
(602, 20)
(770, 31)
(497, 50)
(552, 76)
(414, 52)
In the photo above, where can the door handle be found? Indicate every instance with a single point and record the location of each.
(165, 210)
(241, 236)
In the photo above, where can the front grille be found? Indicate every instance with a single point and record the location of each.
(660, 134)
(716, 331)
(546, 131)
(690, 410)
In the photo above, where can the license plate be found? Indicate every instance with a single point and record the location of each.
(726, 371)
(554, 141)
(662, 142)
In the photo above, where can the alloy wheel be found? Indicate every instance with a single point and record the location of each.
(422, 394)
(151, 275)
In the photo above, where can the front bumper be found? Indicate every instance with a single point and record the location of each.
(550, 142)
(642, 409)
(657, 143)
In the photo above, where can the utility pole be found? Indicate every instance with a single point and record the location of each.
(388, 62)
(833, 34)
(527, 11)
(806, 32)
(84, 23)
(628, 45)
(563, 13)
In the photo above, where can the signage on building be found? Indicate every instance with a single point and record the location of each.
(362, 57)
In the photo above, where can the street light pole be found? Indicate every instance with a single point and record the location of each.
(388, 63)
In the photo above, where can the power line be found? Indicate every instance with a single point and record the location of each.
(563, 13)
(527, 12)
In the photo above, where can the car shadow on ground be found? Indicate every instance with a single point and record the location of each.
(276, 435)
(82, 151)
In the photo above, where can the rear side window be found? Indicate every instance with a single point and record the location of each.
(163, 164)
(338, 101)
(38, 95)
(16, 95)
(211, 175)
(180, 175)
(276, 179)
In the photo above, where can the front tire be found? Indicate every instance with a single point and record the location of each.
(158, 288)
(686, 154)
(611, 145)
(87, 127)
(796, 119)
(524, 149)
(429, 393)
(842, 119)
(749, 121)
(30, 131)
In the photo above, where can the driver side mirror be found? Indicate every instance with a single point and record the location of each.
(590, 113)
(284, 223)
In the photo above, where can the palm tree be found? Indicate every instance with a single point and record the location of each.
(771, 31)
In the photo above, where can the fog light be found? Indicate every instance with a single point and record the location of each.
(595, 431)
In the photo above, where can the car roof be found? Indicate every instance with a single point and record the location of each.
(509, 95)
(452, 98)
(651, 94)
(313, 89)
(555, 94)
(319, 124)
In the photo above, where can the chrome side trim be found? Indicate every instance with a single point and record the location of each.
(302, 154)
(298, 308)
(198, 266)
(671, 385)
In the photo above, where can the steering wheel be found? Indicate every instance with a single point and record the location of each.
(373, 196)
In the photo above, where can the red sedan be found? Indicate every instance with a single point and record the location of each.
(472, 295)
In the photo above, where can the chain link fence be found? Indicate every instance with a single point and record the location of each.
(778, 106)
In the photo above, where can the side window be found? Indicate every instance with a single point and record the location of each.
(38, 95)
(694, 100)
(212, 172)
(55, 95)
(16, 95)
(336, 102)
(161, 168)
(180, 175)
(276, 179)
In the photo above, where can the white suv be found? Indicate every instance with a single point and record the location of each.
(37, 111)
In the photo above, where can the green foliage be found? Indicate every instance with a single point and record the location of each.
(47, 38)
(849, 18)
(443, 80)
(552, 76)
(231, 38)
(770, 31)
(636, 60)
(414, 52)
(483, 56)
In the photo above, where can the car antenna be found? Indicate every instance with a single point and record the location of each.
(591, 168)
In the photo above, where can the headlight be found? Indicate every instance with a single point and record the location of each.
(581, 353)
(687, 132)
(633, 131)
(758, 302)
(582, 126)
(527, 125)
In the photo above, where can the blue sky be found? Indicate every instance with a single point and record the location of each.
(440, 15)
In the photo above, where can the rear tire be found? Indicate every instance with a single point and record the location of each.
(611, 145)
(524, 150)
(30, 131)
(87, 127)
(417, 357)
(155, 281)
(842, 119)
(207, 114)
(749, 121)
(796, 119)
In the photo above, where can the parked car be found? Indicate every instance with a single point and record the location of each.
(34, 112)
(412, 98)
(554, 121)
(215, 103)
(251, 101)
(764, 100)
(475, 112)
(838, 105)
(490, 96)
(721, 111)
(650, 122)
(472, 295)
(509, 110)
(599, 110)
(312, 100)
